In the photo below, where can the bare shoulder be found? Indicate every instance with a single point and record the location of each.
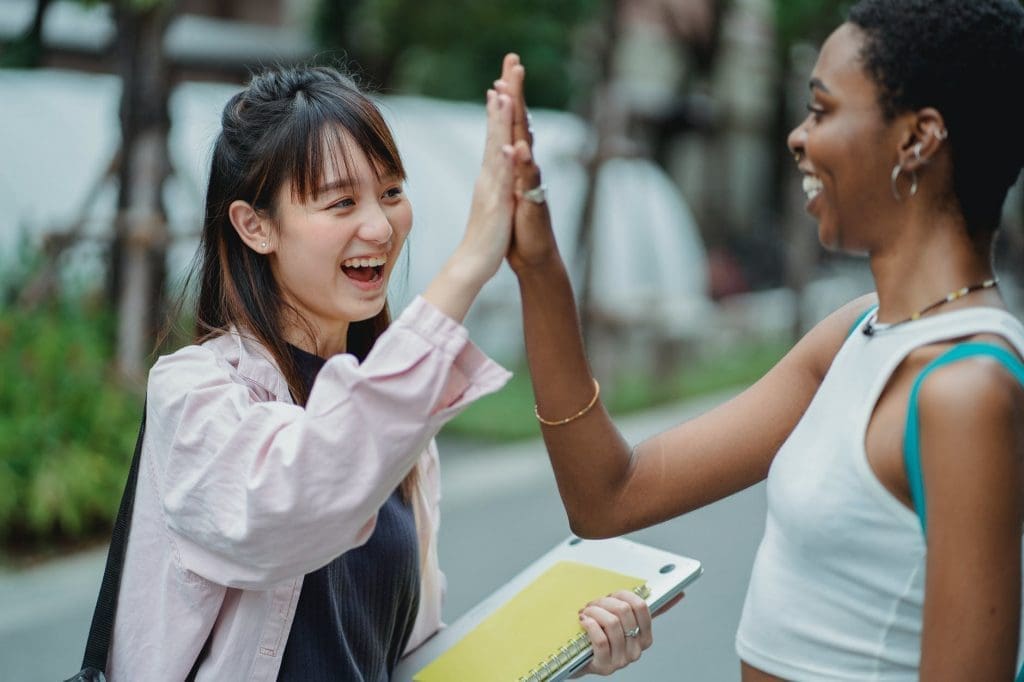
(842, 319)
(976, 391)
(971, 412)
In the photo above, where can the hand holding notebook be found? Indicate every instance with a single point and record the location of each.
(529, 630)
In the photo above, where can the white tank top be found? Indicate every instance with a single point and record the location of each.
(837, 588)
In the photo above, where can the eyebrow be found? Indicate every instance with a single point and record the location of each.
(343, 183)
(348, 184)
(816, 83)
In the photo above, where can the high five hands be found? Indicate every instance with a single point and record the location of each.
(618, 625)
(533, 242)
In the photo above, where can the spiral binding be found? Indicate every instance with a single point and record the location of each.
(576, 645)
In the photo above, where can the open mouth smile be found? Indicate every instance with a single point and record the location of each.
(812, 186)
(364, 270)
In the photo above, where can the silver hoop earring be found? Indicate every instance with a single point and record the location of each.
(941, 133)
(895, 176)
(917, 152)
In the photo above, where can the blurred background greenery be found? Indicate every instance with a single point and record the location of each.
(449, 49)
(67, 424)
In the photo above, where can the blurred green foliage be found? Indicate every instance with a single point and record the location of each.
(67, 429)
(20, 53)
(508, 414)
(453, 49)
(808, 20)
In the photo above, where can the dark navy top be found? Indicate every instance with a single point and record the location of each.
(355, 615)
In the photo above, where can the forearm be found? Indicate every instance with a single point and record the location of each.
(591, 460)
(455, 287)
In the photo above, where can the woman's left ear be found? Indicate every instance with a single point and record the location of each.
(924, 139)
(252, 228)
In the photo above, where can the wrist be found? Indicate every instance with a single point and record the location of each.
(455, 287)
(540, 272)
(467, 268)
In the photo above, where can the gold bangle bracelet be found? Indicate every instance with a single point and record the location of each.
(559, 422)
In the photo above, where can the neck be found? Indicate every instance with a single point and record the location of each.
(317, 338)
(929, 257)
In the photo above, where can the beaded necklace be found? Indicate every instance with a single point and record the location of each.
(870, 328)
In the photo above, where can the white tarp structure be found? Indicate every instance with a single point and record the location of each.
(59, 131)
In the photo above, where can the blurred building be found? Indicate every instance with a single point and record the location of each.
(697, 81)
(206, 39)
(60, 131)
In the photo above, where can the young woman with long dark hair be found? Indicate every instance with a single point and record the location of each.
(286, 513)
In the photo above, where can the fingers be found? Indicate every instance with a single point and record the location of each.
(527, 172)
(641, 613)
(607, 622)
(612, 649)
(670, 603)
(601, 663)
(499, 123)
(513, 75)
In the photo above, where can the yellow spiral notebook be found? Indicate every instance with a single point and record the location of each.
(529, 629)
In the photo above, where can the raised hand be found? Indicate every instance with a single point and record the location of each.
(488, 231)
(533, 241)
(489, 228)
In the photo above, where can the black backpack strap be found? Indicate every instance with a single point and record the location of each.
(98, 645)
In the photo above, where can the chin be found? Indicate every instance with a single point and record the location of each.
(828, 239)
(833, 241)
(369, 310)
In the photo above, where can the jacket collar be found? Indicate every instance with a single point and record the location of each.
(252, 361)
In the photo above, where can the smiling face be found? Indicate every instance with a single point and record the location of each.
(333, 252)
(845, 148)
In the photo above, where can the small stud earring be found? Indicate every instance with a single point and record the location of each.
(263, 245)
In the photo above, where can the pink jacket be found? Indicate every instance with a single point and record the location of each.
(241, 492)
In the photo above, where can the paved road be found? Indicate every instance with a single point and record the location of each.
(500, 511)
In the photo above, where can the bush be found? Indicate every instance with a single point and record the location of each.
(453, 50)
(67, 429)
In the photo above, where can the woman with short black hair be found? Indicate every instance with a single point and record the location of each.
(890, 435)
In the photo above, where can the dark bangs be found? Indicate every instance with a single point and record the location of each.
(312, 148)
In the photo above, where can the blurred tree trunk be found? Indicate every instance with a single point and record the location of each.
(801, 242)
(139, 247)
(35, 32)
(605, 125)
(26, 50)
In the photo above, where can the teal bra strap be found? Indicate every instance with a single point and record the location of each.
(863, 316)
(911, 440)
